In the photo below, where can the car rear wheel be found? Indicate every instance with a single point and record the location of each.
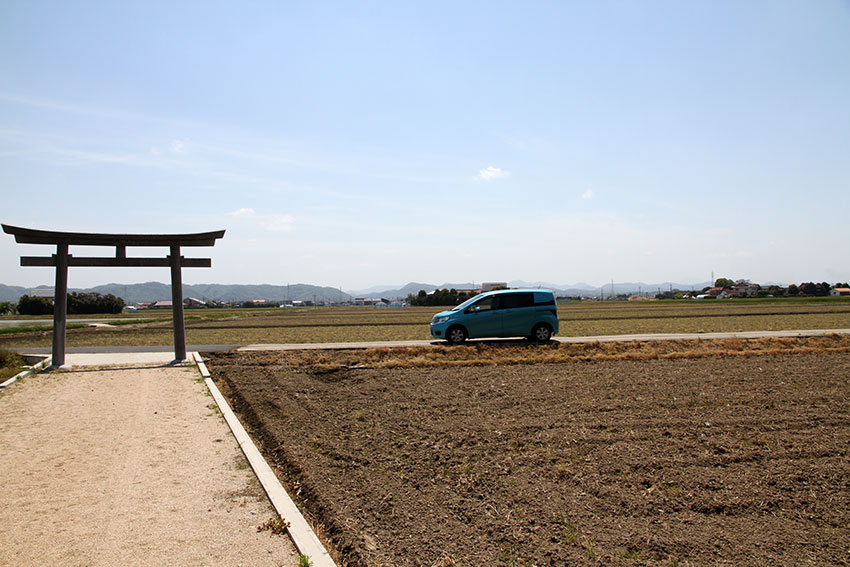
(456, 335)
(541, 333)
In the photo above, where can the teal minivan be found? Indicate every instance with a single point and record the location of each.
(530, 313)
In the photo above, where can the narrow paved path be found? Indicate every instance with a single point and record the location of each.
(605, 338)
(126, 466)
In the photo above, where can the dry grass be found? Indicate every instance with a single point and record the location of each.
(363, 324)
(495, 354)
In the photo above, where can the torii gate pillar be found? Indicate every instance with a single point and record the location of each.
(63, 259)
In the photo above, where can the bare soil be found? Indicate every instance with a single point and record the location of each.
(717, 460)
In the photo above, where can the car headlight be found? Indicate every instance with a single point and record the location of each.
(438, 320)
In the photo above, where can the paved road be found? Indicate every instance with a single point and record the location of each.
(49, 322)
(601, 339)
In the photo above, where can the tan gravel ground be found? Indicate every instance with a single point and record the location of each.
(126, 466)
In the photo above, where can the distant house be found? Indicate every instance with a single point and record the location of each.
(727, 294)
(487, 286)
(746, 289)
(191, 302)
(387, 303)
(46, 292)
(162, 305)
(839, 291)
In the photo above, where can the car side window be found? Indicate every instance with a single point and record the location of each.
(516, 300)
(485, 304)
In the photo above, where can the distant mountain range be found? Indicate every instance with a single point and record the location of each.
(580, 289)
(156, 291)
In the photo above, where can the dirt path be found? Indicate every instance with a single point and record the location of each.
(126, 467)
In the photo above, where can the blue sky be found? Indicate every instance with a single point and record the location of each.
(352, 144)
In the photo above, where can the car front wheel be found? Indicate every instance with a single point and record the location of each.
(541, 334)
(456, 335)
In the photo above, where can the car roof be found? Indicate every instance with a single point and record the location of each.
(498, 291)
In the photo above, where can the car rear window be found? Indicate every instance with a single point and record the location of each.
(544, 298)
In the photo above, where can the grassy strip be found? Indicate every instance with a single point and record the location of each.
(133, 322)
(10, 364)
(37, 329)
(496, 355)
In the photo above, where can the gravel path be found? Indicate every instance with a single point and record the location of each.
(126, 466)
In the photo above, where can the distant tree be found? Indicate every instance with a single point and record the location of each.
(439, 297)
(81, 303)
(772, 291)
(808, 288)
(841, 285)
(30, 305)
(793, 290)
(6, 308)
(723, 282)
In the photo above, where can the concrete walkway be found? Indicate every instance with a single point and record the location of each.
(126, 465)
(602, 339)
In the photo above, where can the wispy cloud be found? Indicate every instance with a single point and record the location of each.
(278, 223)
(491, 173)
(587, 194)
(272, 222)
(178, 146)
(71, 108)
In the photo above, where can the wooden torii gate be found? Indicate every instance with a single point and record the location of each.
(63, 259)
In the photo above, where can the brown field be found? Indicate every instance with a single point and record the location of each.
(681, 453)
(361, 324)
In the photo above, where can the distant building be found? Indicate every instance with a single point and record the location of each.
(839, 291)
(47, 292)
(487, 286)
(162, 305)
(746, 289)
(191, 302)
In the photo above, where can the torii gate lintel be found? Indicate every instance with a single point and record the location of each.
(62, 260)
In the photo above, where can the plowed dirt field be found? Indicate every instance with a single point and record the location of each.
(706, 461)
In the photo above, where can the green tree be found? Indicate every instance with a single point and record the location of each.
(439, 297)
(80, 303)
(723, 282)
(30, 305)
(6, 308)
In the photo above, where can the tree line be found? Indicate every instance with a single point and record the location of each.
(79, 303)
(805, 289)
(439, 297)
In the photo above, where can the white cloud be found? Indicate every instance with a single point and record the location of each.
(491, 173)
(178, 146)
(587, 194)
(242, 212)
(278, 223)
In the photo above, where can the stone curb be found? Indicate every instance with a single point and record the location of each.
(302, 534)
(32, 369)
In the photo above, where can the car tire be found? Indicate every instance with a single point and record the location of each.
(541, 333)
(456, 335)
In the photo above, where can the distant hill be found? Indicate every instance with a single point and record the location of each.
(157, 291)
(12, 292)
(575, 290)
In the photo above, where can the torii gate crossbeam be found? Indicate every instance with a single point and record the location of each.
(62, 260)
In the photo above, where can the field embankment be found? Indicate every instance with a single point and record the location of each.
(363, 324)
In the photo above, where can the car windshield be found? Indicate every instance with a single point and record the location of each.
(467, 303)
